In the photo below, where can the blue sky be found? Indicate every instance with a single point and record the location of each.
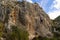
(51, 7)
(45, 4)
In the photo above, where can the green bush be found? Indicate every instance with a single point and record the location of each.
(44, 38)
(18, 34)
(1, 29)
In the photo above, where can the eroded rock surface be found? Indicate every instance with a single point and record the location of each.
(27, 16)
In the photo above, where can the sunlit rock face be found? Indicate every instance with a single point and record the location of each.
(26, 16)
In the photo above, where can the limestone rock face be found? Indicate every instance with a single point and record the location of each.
(27, 16)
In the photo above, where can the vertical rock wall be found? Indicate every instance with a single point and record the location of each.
(30, 16)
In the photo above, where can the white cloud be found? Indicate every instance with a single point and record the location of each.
(54, 13)
(29, 1)
(56, 4)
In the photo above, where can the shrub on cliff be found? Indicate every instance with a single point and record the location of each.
(1, 29)
(17, 34)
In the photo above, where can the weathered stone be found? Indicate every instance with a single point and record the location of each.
(30, 16)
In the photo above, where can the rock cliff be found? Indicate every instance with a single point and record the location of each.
(27, 16)
(56, 25)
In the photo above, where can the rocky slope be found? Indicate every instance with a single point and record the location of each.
(27, 16)
(56, 24)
